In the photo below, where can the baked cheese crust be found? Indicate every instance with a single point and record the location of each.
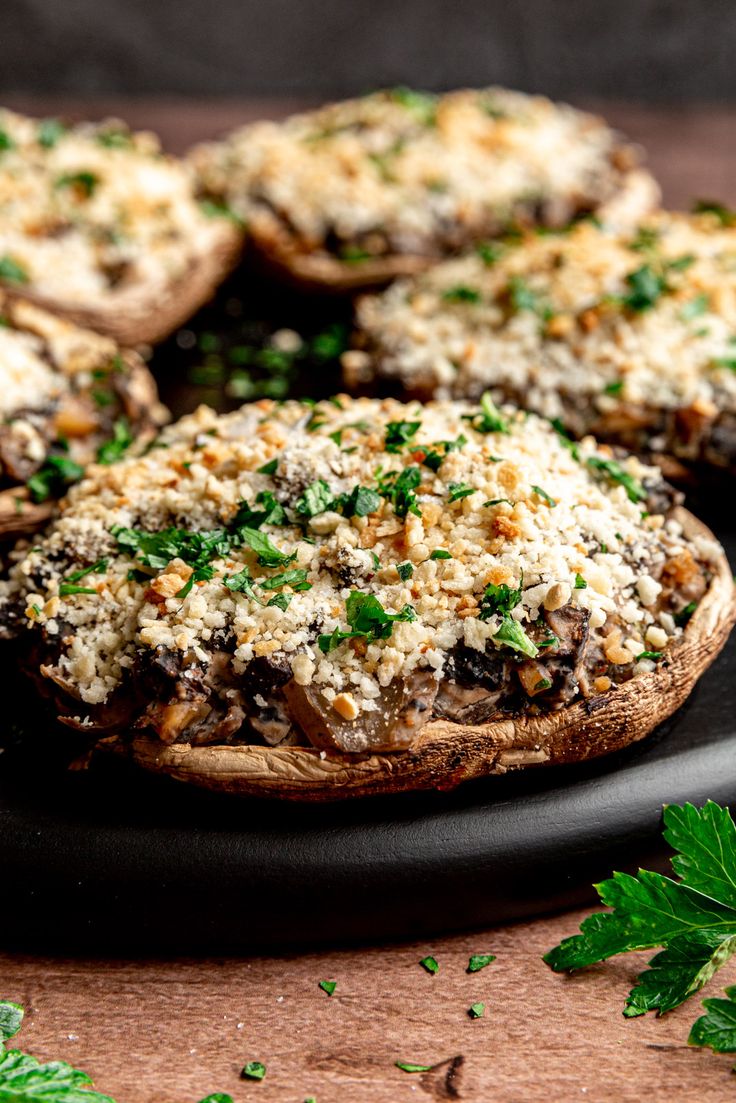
(341, 572)
(630, 336)
(407, 174)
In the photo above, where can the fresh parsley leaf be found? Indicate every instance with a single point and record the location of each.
(682, 618)
(268, 468)
(459, 491)
(157, 549)
(53, 477)
(317, 498)
(433, 457)
(399, 434)
(49, 132)
(716, 1029)
(11, 1018)
(254, 1070)
(476, 1010)
(440, 553)
(113, 449)
(12, 270)
(268, 554)
(544, 496)
(498, 599)
(497, 502)
(296, 578)
(479, 961)
(725, 215)
(367, 619)
(398, 487)
(408, 1066)
(241, 583)
(83, 183)
(360, 502)
(271, 512)
(614, 388)
(281, 601)
(489, 252)
(522, 297)
(512, 635)
(24, 1079)
(461, 294)
(655, 656)
(218, 1097)
(328, 986)
(96, 568)
(490, 419)
(646, 286)
(67, 588)
(405, 570)
(616, 473)
(201, 574)
(430, 964)
(580, 583)
(694, 919)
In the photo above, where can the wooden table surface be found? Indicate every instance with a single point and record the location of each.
(174, 1031)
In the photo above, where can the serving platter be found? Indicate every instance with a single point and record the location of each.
(114, 859)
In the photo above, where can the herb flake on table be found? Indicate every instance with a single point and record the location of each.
(477, 962)
(476, 1010)
(328, 986)
(409, 1066)
(430, 964)
(253, 1070)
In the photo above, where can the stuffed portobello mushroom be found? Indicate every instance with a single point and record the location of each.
(98, 224)
(67, 397)
(359, 596)
(630, 336)
(363, 190)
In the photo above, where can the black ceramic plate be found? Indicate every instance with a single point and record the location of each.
(115, 859)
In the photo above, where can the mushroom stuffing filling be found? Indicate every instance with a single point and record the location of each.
(338, 574)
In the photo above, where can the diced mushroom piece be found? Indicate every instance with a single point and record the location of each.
(271, 719)
(404, 708)
(534, 677)
(570, 626)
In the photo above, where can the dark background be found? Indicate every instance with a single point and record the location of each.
(658, 50)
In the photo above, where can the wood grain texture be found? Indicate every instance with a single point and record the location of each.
(171, 1032)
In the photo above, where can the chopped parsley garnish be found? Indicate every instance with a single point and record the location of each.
(614, 388)
(218, 208)
(254, 1070)
(360, 502)
(616, 473)
(317, 498)
(405, 570)
(580, 583)
(114, 138)
(498, 599)
(83, 183)
(459, 491)
(548, 641)
(12, 270)
(296, 578)
(49, 132)
(490, 419)
(52, 478)
(113, 449)
(497, 502)
(475, 1011)
(271, 512)
(368, 620)
(430, 964)
(489, 252)
(479, 961)
(421, 104)
(268, 468)
(440, 553)
(646, 286)
(684, 615)
(433, 457)
(354, 254)
(653, 655)
(399, 434)
(328, 986)
(241, 583)
(398, 487)
(281, 601)
(408, 1066)
(565, 439)
(522, 297)
(512, 635)
(69, 588)
(268, 554)
(725, 215)
(461, 294)
(96, 568)
(693, 919)
(201, 574)
(157, 549)
(543, 683)
(6, 142)
(544, 496)
(726, 362)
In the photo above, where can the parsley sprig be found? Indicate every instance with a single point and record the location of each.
(368, 620)
(693, 919)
